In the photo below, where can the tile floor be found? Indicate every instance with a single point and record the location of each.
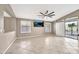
(46, 44)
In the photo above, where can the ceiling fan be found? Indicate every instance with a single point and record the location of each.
(47, 14)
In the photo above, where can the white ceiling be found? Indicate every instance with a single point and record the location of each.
(30, 11)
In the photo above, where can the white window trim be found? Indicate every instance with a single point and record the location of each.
(26, 26)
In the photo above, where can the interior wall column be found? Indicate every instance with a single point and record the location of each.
(1, 21)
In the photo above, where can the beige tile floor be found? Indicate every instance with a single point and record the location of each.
(46, 44)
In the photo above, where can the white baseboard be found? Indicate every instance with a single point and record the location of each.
(27, 37)
(8, 46)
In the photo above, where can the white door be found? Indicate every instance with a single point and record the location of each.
(60, 28)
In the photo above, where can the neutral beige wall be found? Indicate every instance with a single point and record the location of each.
(54, 28)
(5, 40)
(9, 24)
(35, 30)
(7, 8)
(1, 21)
(9, 35)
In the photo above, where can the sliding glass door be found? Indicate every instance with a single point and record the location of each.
(71, 29)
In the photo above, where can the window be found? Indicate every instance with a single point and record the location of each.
(25, 26)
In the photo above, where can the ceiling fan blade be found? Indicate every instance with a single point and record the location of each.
(46, 12)
(50, 16)
(51, 13)
(42, 13)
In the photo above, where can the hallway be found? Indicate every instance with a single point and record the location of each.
(44, 44)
